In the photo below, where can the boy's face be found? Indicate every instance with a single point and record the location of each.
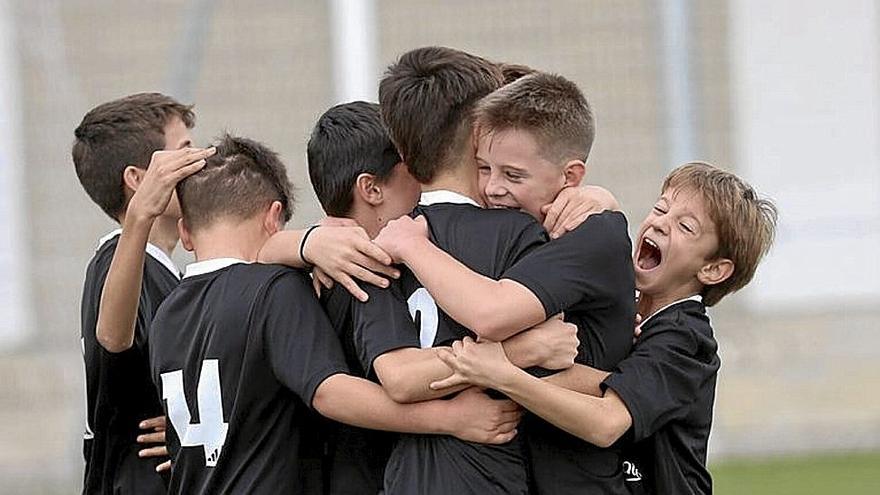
(177, 136)
(513, 174)
(675, 241)
(400, 193)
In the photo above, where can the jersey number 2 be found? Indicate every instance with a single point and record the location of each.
(421, 302)
(210, 433)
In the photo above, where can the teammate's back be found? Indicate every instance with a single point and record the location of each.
(258, 321)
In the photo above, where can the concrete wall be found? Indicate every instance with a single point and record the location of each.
(792, 380)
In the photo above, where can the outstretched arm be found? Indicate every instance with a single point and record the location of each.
(471, 416)
(122, 288)
(493, 309)
(343, 252)
(598, 420)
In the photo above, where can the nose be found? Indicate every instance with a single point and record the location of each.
(660, 223)
(494, 187)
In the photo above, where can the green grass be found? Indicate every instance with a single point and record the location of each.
(850, 474)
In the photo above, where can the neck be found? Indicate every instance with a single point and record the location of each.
(651, 303)
(240, 240)
(164, 234)
(367, 217)
(461, 179)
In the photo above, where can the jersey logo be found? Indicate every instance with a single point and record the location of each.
(210, 433)
(421, 303)
(631, 471)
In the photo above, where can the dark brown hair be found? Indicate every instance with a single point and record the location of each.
(745, 223)
(548, 106)
(348, 140)
(512, 72)
(242, 178)
(426, 99)
(117, 134)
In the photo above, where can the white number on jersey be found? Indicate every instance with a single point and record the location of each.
(211, 432)
(422, 302)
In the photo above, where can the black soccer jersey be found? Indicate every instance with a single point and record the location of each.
(237, 352)
(356, 457)
(668, 385)
(405, 315)
(119, 391)
(588, 274)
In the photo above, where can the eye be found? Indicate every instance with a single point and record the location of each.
(658, 210)
(484, 170)
(513, 176)
(686, 228)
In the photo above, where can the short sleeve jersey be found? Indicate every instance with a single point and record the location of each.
(668, 385)
(587, 274)
(237, 353)
(405, 315)
(119, 391)
(355, 457)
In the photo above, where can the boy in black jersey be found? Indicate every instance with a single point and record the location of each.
(113, 145)
(246, 347)
(703, 240)
(357, 174)
(440, 85)
(534, 137)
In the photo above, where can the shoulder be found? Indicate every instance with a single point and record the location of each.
(476, 217)
(685, 321)
(100, 262)
(609, 228)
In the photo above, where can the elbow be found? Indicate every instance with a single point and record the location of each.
(491, 325)
(109, 343)
(612, 428)
(397, 387)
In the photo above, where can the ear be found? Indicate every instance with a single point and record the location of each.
(715, 272)
(272, 220)
(574, 172)
(132, 177)
(185, 235)
(367, 187)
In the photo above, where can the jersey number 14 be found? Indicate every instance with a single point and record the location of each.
(210, 432)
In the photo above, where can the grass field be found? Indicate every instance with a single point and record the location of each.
(850, 474)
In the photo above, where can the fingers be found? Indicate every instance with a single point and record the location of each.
(509, 406)
(449, 382)
(566, 216)
(324, 279)
(154, 452)
(316, 285)
(553, 212)
(165, 466)
(158, 437)
(352, 287)
(375, 266)
(374, 252)
(157, 423)
(502, 437)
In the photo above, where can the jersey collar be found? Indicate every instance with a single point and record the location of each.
(429, 198)
(212, 265)
(698, 298)
(152, 249)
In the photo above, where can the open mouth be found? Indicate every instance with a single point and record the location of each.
(649, 255)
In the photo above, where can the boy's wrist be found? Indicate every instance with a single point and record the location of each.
(410, 247)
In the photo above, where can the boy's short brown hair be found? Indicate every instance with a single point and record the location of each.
(426, 99)
(512, 72)
(239, 180)
(117, 134)
(745, 223)
(548, 106)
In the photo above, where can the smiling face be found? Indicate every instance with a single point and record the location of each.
(514, 174)
(676, 244)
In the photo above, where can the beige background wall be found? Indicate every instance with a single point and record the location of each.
(792, 380)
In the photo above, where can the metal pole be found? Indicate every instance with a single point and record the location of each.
(355, 46)
(680, 117)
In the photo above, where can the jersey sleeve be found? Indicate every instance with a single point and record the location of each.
(663, 375)
(299, 343)
(382, 324)
(583, 269)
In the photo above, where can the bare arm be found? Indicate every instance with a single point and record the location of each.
(598, 420)
(493, 309)
(344, 253)
(122, 288)
(407, 374)
(471, 416)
